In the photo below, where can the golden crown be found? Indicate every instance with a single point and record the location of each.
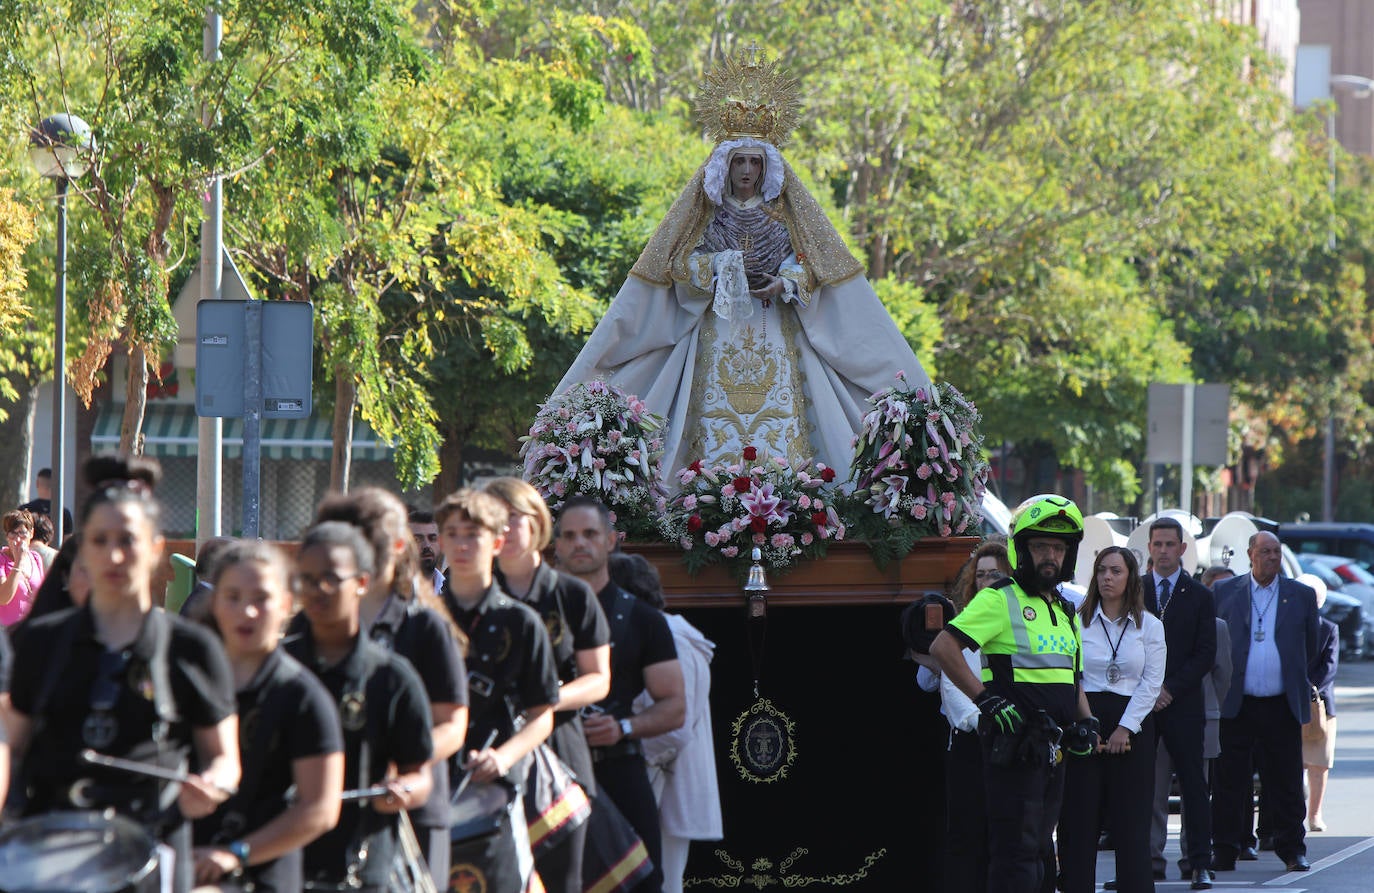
(748, 96)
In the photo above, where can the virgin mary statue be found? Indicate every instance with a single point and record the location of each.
(746, 321)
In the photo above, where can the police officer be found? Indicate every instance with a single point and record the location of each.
(1030, 694)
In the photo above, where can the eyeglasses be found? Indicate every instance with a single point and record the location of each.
(324, 582)
(993, 574)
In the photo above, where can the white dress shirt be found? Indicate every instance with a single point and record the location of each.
(1263, 667)
(1140, 653)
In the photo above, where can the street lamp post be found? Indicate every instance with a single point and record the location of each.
(59, 149)
(1360, 87)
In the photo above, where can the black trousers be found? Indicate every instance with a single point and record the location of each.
(1121, 784)
(966, 816)
(1267, 728)
(1023, 807)
(626, 781)
(1182, 733)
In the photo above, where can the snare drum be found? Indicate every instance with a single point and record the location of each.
(489, 847)
(78, 852)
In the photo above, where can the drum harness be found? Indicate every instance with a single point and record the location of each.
(84, 793)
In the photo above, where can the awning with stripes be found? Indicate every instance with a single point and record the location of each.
(169, 429)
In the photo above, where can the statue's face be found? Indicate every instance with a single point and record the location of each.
(746, 171)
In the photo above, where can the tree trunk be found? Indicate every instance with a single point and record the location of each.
(16, 444)
(345, 400)
(86, 417)
(450, 466)
(135, 398)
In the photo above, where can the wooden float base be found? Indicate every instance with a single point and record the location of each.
(846, 575)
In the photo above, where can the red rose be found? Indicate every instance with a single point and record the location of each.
(818, 518)
(694, 523)
(750, 454)
(758, 524)
(741, 484)
(827, 474)
(695, 466)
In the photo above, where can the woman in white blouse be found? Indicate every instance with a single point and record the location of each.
(1123, 668)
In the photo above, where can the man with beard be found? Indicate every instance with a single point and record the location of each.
(643, 658)
(1030, 693)
(426, 534)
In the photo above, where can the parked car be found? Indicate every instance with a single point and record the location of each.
(1328, 569)
(1331, 538)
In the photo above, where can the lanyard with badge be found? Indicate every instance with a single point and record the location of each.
(1113, 667)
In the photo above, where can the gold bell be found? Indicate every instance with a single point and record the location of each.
(757, 585)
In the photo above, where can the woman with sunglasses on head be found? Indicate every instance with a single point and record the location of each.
(289, 736)
(120, 677)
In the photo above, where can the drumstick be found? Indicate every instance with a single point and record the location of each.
(467, 777)
(136, 768)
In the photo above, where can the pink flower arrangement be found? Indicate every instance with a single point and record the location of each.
(785, 509)
(595, 439)
(918, 459)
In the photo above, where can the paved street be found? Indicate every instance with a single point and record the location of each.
(1342, 856)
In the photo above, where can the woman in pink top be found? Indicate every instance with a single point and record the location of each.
(21, 568)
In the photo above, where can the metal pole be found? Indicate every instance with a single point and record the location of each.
(252, 416)
(1329, 440)
(59, 371)
(210, 431)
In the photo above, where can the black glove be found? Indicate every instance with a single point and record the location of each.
(1080, 739)
(1000, 716)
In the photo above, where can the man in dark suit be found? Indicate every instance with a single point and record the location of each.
(1274, 629)
(1189, 616)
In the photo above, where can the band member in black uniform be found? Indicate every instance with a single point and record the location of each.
(121, 677)
(289, 737)
(382, 709)
(512, 684)
(401, 612)
(581, 642)
(643, 658)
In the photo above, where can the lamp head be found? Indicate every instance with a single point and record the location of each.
(60, 147)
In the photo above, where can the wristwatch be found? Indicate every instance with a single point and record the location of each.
(625, 728)
(239, 849)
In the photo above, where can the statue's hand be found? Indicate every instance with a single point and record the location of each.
(770, 291)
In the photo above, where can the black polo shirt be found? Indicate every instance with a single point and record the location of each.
(285, 714)
(575, 622)
(421, 636)
(510, 664)
(385, 719)
(646, 640)
(106, 701)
